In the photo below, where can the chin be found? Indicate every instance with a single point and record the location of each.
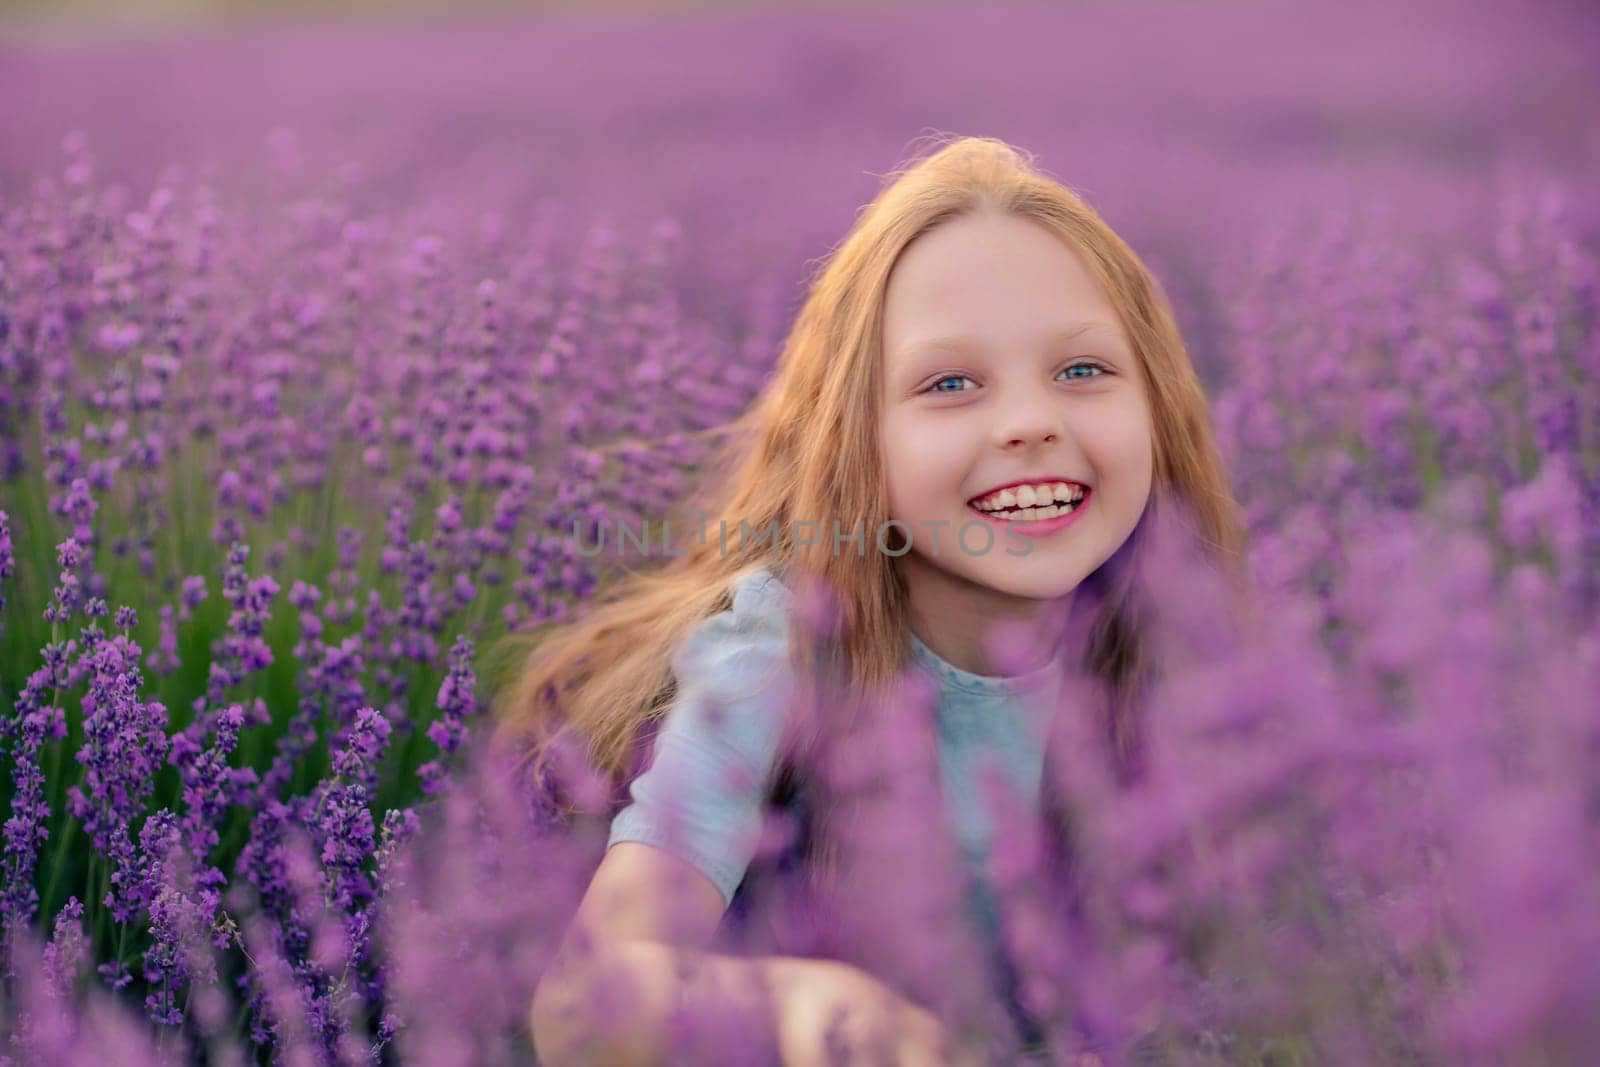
(1019, 585)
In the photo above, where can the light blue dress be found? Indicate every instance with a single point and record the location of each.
(716, 748)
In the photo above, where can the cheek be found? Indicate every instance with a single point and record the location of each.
(1123, 442)
(899, 469)
(924, 477)
(918, 454)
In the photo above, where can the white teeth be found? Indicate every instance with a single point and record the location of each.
(1065, 492)
(1028, 496)
(1040, 514)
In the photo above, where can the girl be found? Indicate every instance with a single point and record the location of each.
(982, 405)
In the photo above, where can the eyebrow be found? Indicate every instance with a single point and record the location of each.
(960, 341)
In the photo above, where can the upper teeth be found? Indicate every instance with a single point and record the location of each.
(1027, 496)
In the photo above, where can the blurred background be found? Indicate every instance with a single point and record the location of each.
(349, 299)
(761, 127)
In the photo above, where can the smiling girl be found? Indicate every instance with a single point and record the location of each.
(985, 381)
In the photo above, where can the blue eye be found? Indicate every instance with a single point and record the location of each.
(1089, 364)
(934, 388)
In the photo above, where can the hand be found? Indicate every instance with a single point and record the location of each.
(871, 1024)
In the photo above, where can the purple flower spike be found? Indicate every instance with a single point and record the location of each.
(125, 742)
(457, 703)
(67, 956)
(32, 721)
(7, 556)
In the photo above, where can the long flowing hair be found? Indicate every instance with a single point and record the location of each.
(809, 447)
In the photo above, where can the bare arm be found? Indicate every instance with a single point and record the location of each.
(629, 965)
(639, 937)
(617, 1007)
(784, 1008)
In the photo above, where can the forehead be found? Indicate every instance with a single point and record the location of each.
(1005, 279)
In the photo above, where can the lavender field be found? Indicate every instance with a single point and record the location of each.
(319, 340)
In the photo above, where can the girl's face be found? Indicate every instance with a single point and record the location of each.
(1005, 363)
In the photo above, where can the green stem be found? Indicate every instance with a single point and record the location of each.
(101, 887)
(92, 905)
(57, 865)
(54, 773)
(57, 632)
(122, 940)
(408, 753)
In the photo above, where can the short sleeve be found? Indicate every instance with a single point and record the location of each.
(701, 797)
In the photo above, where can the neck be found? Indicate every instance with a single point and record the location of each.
(982, 630)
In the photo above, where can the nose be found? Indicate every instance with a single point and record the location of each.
(1029, 419)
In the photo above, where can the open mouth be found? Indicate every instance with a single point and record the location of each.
(1032, 504)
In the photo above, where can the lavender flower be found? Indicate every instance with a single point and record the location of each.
(66, 958)
(7, 555)
(345, 822)
(125, 742)
(180, 922)
(457, 703)
(209, 786)
(1350, 838)
(26, 827)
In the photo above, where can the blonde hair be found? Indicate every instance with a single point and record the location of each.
(809, 448)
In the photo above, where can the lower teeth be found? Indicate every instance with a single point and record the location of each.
(1013, 513)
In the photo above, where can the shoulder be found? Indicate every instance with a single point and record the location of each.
(761, 599)
(752, 632)
(732, 672)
